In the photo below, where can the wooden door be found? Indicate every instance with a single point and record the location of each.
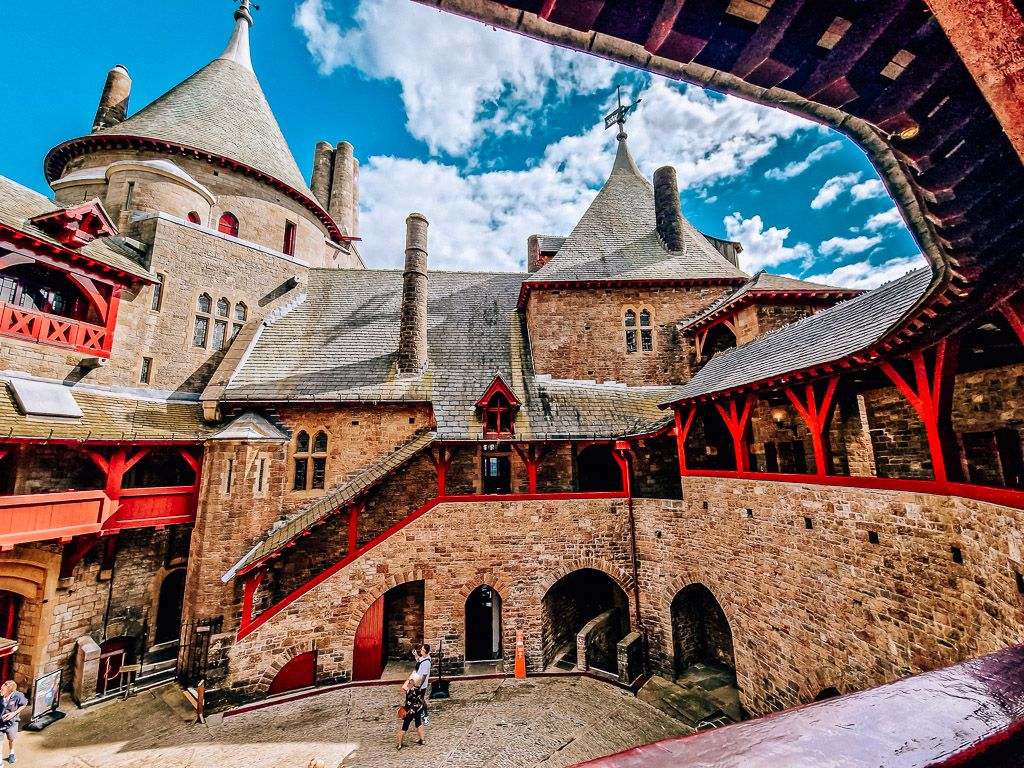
(368, 655)
(299, 672)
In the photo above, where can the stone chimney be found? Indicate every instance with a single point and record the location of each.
(412, 335)
(113, 106)
(343, 195)
(666, 207)
(323, 167)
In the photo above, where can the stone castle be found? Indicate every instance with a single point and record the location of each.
(234, 453)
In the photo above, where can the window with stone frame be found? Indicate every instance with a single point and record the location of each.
(309, 461)
(241, 315)
(220, 325)
(646, 330)
(629, 327)
(638, 329)
(201, 325)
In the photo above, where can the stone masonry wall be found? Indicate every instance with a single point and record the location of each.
(808, 607)
(578, 333)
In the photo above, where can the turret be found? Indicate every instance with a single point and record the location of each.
(113, 106)
(412, 335)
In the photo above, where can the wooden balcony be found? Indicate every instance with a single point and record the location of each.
(54, 330)
(42, 516)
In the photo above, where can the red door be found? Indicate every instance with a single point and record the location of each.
(8, 627)
(368, 656)
(299, 672)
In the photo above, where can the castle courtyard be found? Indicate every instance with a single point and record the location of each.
(547, 722)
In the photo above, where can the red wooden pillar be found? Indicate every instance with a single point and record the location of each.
(111, 318)
(442, 459)
(1013, 311)
(249, 586)
(737, 421)
(932, 398)
(621, 451)
(682, 432)
(531, 456)
(817, 416)
(115, 468)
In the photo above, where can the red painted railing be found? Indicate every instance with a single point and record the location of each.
(253, 578)
(1005, 496)
(54, 330)
(42, 516)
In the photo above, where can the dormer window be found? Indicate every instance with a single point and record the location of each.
(228, 224)
(497, 409)
(78, 226)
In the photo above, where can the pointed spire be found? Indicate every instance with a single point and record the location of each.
(623, 159)
(238, 46)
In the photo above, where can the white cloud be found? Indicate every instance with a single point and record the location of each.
(832, 189)
(481, 220)
(460, 79)
(848, 245)
(866, 190)
(889, 218)
(864, 274)
(799, 166)
(763, 247)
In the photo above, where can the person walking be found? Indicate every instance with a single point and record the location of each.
(12, 702)
(422, 656)
(411, 711)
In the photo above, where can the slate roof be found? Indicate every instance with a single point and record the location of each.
(18, 204)
(107, 415)
(832, 334)
(763, 282)
(549, 243)
(617, 238)
(220, 109)
(340, 345)
(335, 498)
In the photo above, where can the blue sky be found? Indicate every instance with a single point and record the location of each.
(490, 134)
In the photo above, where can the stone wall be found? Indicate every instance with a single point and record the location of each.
(578, 333)
(808, 608)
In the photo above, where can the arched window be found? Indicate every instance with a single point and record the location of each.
(646, 331)
(241, 313)
(220, 327)
(228, 224)
(310, 466)
(629, 322)
(223, 307)
(193, 216)
(201, 326)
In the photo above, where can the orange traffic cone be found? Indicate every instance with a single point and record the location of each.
(520, 655)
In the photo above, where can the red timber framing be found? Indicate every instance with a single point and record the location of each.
(817, 415)
(100, 284)
(78, 518)
(737, 421)
(531, 454)
(1013, 310)
(441, 456)
(682, 431)
(700, 338)
(931, 397)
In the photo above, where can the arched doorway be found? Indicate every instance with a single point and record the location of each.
(700, 630)
(298, 672)
(9, 606)
(115, 653)
(827, 693)
(570, 605)
(483, 624)
(704, 665)
(389, 629)
(168, 608)
(597, 469)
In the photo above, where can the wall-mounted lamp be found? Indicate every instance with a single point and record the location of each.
(779, 414)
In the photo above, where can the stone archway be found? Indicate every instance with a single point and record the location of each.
(700, 630)
(588, 600)
(483, 625)
(389, 628)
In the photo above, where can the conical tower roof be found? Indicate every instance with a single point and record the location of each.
(219, 112)
(617, 237)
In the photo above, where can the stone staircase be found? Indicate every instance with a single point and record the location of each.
(704, 696)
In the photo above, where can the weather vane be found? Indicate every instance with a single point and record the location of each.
(618, 115)
(245, 5)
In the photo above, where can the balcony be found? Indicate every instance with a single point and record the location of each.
(54, 330)
(42, 516)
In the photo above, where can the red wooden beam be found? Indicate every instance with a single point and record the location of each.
(817, 416)
(249, 587)
(73, 553)
(441, 456)
(1013, 311)
(736, 422)
(531, 455)
(931, 397)
(682, 432)
(353, 526)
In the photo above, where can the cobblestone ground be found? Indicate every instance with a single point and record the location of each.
(486, 724)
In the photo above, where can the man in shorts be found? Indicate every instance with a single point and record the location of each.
(13, 702)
